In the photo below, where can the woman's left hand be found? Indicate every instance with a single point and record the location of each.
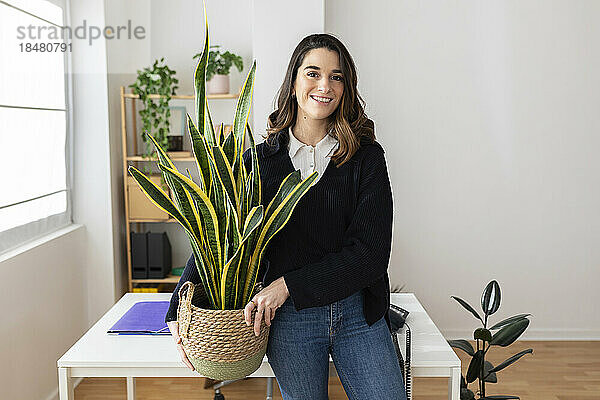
(266, 302)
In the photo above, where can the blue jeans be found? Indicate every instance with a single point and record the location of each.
(364, 356)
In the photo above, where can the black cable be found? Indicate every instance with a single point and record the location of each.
(408, 379)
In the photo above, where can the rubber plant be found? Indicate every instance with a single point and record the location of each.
(157, 80)
(504, 334)
(223, 214)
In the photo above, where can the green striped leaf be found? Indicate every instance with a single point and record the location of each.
(288, 185)
(229, 283)
(185, 204)
(200, 85)
(218, 199)
(242, 109)
(182, 197)
(256, 188)
(210, 129)
(243, 203)
(199, 146)
(233, 232)
(247, 256)
(248, 193)
(255, 217)
(229, 147)
(163, 157)
(209, 281)
(157, 196)
(225, 174)
(220, 134)
(209, 216)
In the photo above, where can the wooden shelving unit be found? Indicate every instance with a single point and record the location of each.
(135, 159)
(140, 158)
(184, 96)
(168, 279)
(144, 221)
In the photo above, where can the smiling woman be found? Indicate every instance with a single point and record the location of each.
(326, 287)
(321, 80)
(319, 87)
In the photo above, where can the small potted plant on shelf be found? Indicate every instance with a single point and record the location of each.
(505, 333)
(228, 229)
(217, 70)
(156, 80)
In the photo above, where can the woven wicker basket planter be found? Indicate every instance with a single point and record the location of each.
(217, 342)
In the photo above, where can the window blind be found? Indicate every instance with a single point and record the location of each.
(34, 139)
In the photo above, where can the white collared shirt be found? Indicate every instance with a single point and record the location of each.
(307, 158)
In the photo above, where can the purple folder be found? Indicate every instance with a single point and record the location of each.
(143, 318)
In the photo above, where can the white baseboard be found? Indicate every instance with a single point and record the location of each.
(535, 334)
(54, 394)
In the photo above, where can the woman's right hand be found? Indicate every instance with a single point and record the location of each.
(174, 328)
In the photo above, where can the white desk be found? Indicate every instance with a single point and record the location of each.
(98, 354)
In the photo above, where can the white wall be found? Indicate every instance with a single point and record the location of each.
(122, 57)
(489, 115)
(92, 193)
(277, 29)
(44, 312)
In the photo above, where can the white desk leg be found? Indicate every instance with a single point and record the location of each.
(65, 384)
(269, 388)
(130, 388)
(454, 384)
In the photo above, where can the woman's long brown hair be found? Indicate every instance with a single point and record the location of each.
(348, 123)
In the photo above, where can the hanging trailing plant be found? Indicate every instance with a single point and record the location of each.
(157, 80)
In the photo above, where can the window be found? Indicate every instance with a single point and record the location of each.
(34, 139)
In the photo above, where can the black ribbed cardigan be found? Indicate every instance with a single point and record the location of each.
(338, 238)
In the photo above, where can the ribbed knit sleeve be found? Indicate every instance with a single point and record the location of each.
(190, 273)
(364, 256)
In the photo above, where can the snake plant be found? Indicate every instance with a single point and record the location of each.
(222, 214)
